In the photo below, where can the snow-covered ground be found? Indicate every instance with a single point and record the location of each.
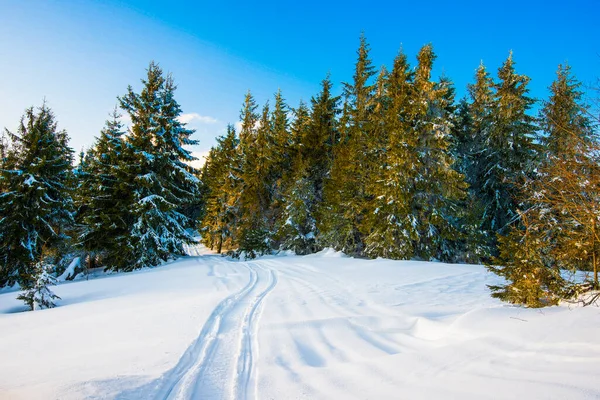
(315, 327)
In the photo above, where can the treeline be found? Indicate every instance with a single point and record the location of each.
(393, 167)
(123, 207)
(396, 168)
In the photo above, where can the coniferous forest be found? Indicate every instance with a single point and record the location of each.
(395, 166)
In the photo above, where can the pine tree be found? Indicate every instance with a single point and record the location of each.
(561, 228)
(437, 188)
(221, 176)
(564, 118)
(345, 190)
(390, 230)
(469, 142)
(303, 197)
(164, 183)
(105, 195)
(521, 262)
(481, 111)
(508, 153)
(254, 236)
(36, 294)
(36, 205)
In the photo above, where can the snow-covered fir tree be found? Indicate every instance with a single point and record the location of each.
(37, 294)
(163, 183)
(105, 197)
(36, 204)
(508, 152)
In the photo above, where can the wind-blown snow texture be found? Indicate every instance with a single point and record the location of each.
(314, 327)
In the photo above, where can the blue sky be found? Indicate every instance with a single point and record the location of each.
(80, 54)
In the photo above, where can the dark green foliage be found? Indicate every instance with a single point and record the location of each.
(35, 205)
(508, 153)
(314, 135)
(256, 180)
(163, 182)
(104, 198)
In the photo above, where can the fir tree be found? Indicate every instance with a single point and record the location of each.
(508, 152)
(36, 294)
(254, 237)
(564, 118)
(36, 205)
(104, 198)
(345, 190)
(561, 228)
(437, 187)
(303, 198)
(389, 227)
(522, 264)
(221, 177)
(163, 182)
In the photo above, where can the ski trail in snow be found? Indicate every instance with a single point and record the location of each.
(246, 373)
(192, 360)
(221, 361)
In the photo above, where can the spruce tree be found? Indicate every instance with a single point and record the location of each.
(255, 236)
(163, 181)
(389, 227)
(522, 263)
(564, 119)
(221, 176)
(36, 205)
(38, 295)
(508, 153)
(437, 188)
(105, 196)
(561, 226)
(345, 190)
(303, 198)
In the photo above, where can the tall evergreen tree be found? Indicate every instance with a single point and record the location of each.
(36, 205)
(303, 197)
(562, 223)
(345, 189)
(564, 118)
(508, 153)
(437, 187)
(388, 224)
(221, 177)
(105, 195)
(254, 236)
(163, 181)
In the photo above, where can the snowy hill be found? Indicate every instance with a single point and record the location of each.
(314, 327)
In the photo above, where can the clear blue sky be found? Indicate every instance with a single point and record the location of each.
(81, 54)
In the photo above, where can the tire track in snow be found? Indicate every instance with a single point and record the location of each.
(220, 362)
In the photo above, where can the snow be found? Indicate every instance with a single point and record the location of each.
(323, 326)
(70, 270)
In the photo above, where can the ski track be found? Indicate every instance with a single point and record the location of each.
(220, 363)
